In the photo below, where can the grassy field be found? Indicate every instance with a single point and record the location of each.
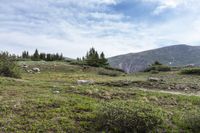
(52, 101)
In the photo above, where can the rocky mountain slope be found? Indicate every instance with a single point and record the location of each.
(177, 55)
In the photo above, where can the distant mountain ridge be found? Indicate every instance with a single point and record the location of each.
(176, 55)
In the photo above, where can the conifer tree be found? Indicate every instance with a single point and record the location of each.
(42, 56)
(103, 61)
(93, 59)
(36, 56)
(25, 54)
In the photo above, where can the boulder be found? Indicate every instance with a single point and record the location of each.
(35, 69)
(153, 79)
(85, 82)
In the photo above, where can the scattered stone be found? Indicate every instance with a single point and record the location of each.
(24, 66)
(153, 79)
(186, 89)
(73, 87)
(56, 92)
(180, 87)
(80, 82)
(29, 71)
(35, 69)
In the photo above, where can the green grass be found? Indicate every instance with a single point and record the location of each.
(51, 101)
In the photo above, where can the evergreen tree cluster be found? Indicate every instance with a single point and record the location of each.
(25, 54)
(92, 58)
(42, 56)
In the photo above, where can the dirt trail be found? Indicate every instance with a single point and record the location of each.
(172, 92)
(158, 86)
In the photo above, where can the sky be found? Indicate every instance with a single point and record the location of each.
(115, 27)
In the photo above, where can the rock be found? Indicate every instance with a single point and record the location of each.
(180, 87)
(29, 71)
(85, 82)
(153, 79)
(24, 66)
(72, 87)
(56, 92)
(186, 89)
(35, 69)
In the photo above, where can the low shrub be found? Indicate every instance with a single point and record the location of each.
(154, 72)
(194, 71)
(121, 117)
(8, 67)
(192, 122)
(163, 68)
(109, 73)
(159, 68)
(80, 63)
(115, 69)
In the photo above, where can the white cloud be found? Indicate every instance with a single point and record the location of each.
(172, 4)
(72, 27)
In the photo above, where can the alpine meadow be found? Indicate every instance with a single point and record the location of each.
(99, 66)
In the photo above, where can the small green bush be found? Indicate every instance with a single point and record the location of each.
(115, 69)
(154, 72)
(8, 67)
(79, 63)
(121, 117)
(109, 73)
(163, 68)
(192, 122)
(159, 68)
(194, 71)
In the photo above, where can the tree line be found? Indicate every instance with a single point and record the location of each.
(42, 56)
(92, 57)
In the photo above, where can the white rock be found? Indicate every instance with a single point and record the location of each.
(154, 79)
(25, 66)
(35, 69)
(56, 92)
(85, 82)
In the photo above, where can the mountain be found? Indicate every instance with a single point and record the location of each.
(177, 55)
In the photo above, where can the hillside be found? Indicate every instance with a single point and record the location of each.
(53, 101)
(177, 55)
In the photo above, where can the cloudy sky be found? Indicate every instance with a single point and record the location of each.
(113, 26)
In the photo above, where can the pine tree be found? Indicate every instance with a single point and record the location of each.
(25, 55)
(92, 58)
(36, 56)
(103, 61)
(42, 56)
(48, 57)
(61, 57)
